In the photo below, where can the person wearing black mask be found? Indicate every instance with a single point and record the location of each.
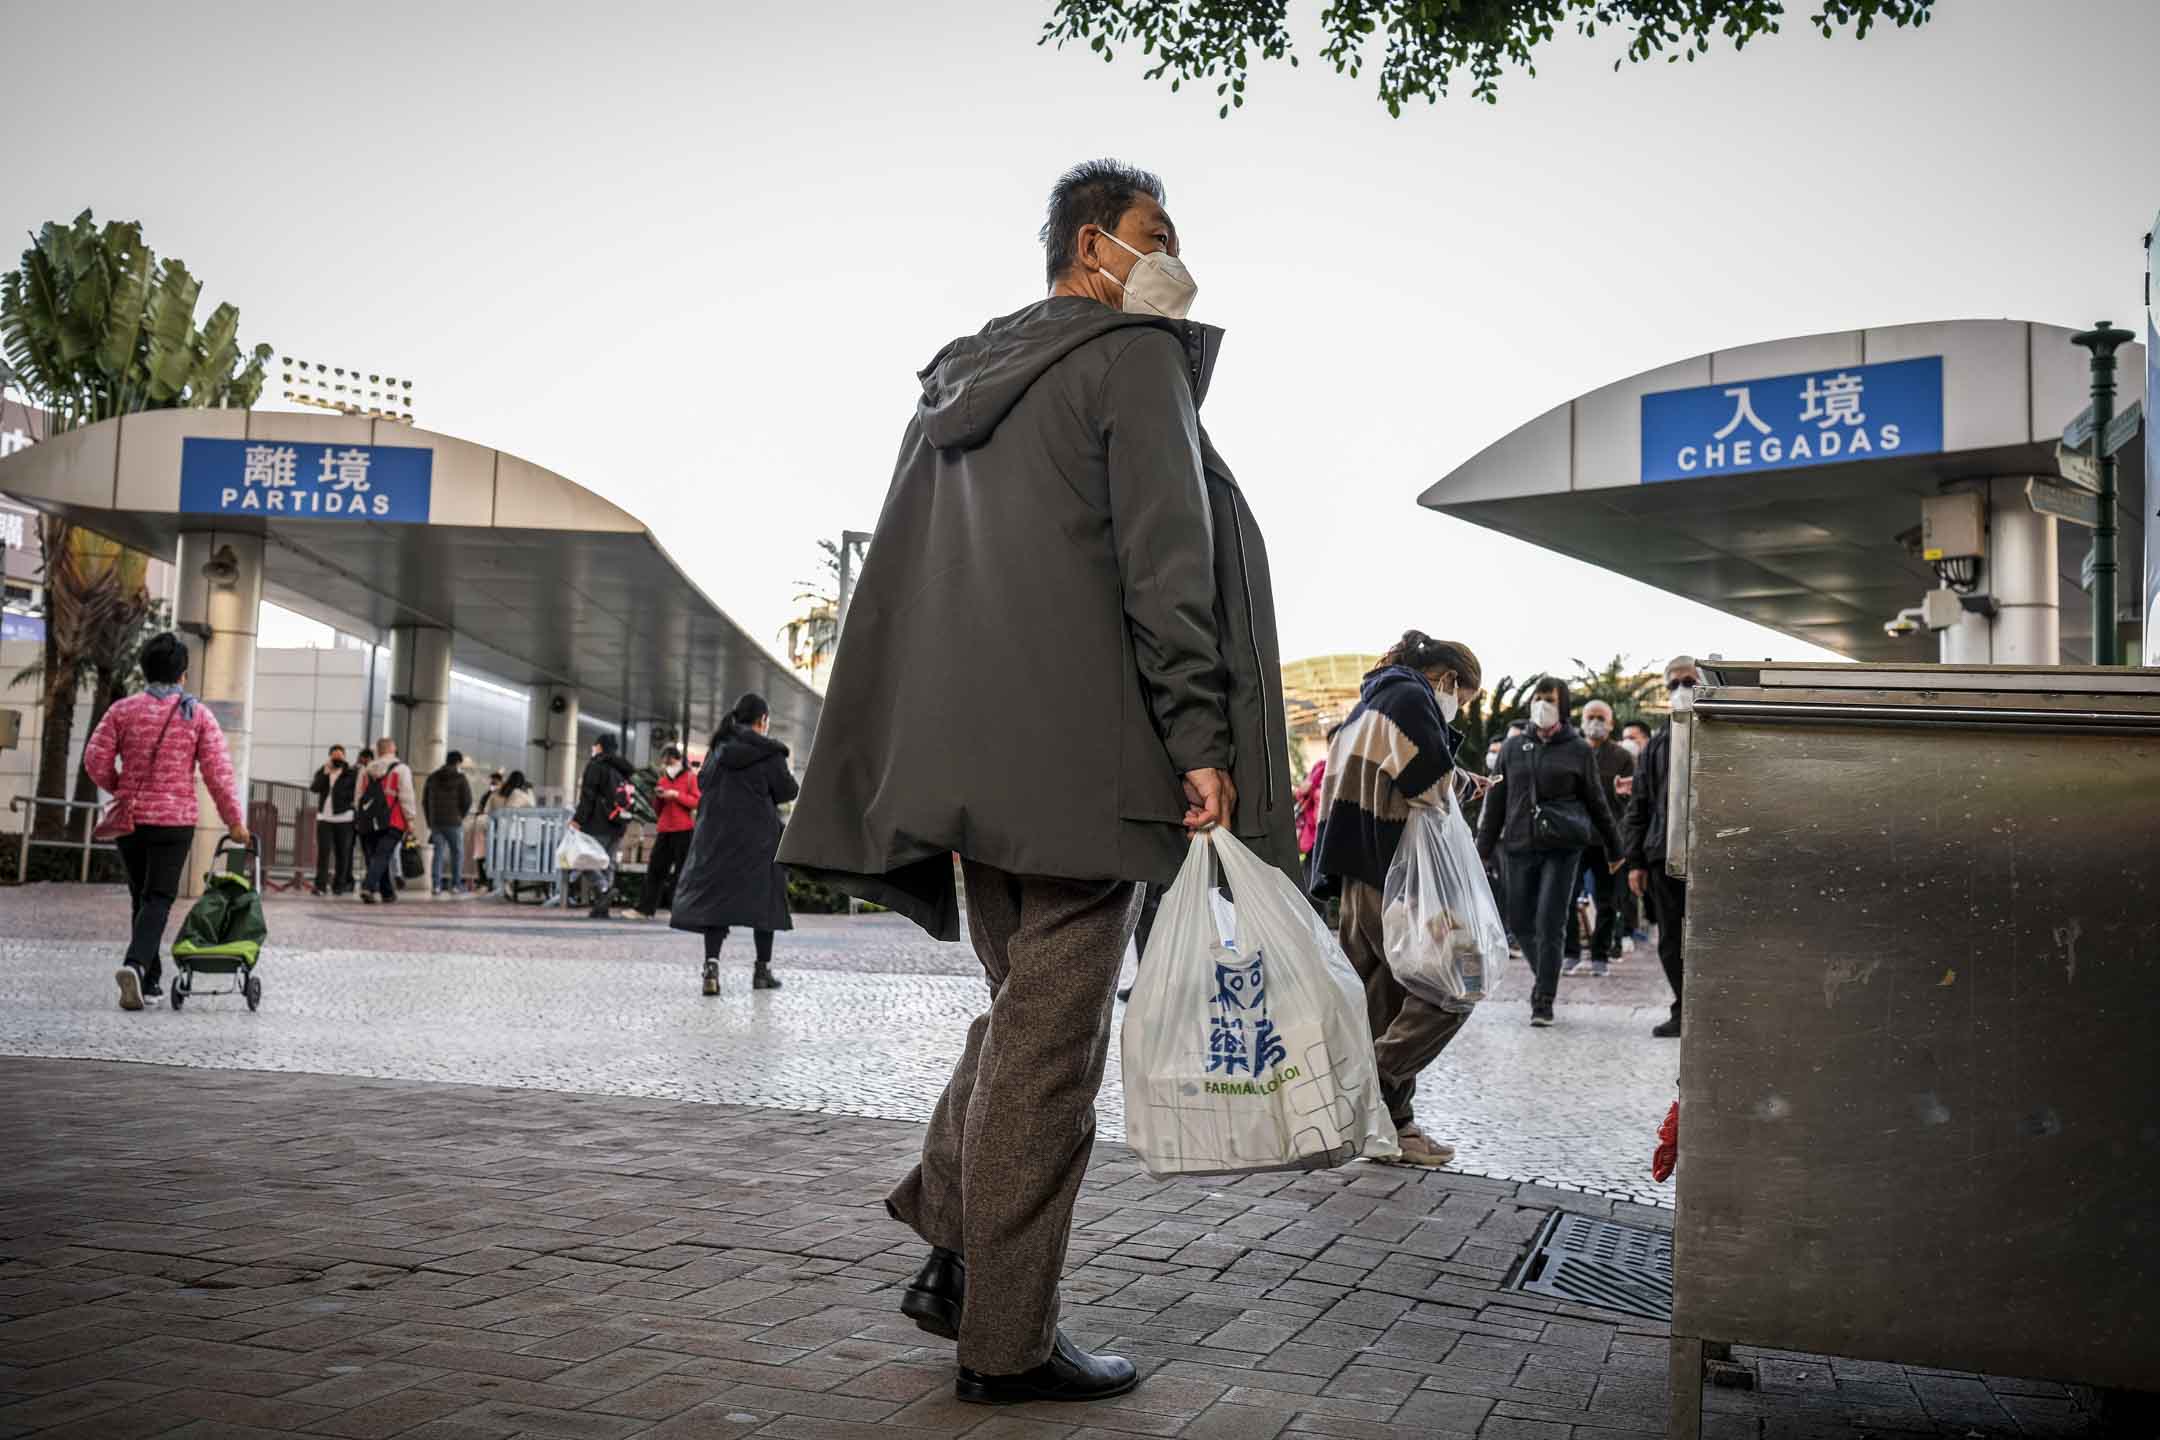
(1646, 843)
(602, 811)
(1635, 910)
(1553, 809)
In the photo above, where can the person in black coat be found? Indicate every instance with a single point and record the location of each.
(1552, 808)
(600, 812)
(733, 876)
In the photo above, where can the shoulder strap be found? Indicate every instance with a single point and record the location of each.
(158, 747)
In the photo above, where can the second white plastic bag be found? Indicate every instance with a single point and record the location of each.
(1246, 1044)
(1440, 928)
(579, 851)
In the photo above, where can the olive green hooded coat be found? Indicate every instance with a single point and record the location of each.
(1066, 607)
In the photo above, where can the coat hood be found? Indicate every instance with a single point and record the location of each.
(970, 386)
(746, 748)
(1388, 675)
(383, 766)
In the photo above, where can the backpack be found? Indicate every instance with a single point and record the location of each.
(624, 807)
(371, 813)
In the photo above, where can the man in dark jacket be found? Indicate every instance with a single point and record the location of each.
(600, 812)
(1599, 865)
(334, 786)
(1059, 663)
(1646, 843)
(1550, 771)
(447, 799)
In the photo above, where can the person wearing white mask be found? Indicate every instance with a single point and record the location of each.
(1615, 764)
(1061, 666)
(1393, 753)
(1555, 810)
(676, 791)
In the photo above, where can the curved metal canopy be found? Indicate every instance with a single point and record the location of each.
(1812, 550)
(540, 581)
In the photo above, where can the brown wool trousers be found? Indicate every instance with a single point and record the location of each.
(1408, 1033)
(1010, 1139)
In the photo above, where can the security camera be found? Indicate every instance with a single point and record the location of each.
(223, 568)
(557, 705)
(1904, 623)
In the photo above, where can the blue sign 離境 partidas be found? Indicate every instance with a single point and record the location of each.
(298, 481)
(1824, 417)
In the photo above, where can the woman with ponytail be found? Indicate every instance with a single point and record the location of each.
(1395, 751)
(732, 878)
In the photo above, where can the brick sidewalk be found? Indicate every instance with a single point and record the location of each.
(222, 1255)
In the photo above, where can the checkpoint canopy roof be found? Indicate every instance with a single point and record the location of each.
(1773, 481)
(372, 524)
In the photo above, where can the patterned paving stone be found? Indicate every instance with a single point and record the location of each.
(480, 992)
(174, 1261)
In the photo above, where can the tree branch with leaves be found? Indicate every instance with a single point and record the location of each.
(1427, 46)
(95, 326)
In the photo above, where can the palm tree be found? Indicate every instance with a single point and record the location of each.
(813, 635)
(1489, 716)
(1619, 685)
(95, 326)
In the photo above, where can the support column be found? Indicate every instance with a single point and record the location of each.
(556, 756)
(219, 615)
(2021, 575)
(420, 695)
(1966, 643)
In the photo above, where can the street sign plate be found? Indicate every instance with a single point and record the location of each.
(2064, 502)
(2122, 429)
(2078, 468)
(300, 481)
(2080, 430)
(1782, 422)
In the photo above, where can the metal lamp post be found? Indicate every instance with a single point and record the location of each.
(2103, 340)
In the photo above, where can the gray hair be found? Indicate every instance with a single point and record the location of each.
(1094, 192)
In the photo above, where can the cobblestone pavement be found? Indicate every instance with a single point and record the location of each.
(223, 1255)
(872, 1018)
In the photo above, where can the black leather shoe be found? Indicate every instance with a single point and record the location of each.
(1670, 1030)
(934, 1297)
(1069, 1374)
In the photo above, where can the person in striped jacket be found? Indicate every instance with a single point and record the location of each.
(146, 751)
(1396, 750)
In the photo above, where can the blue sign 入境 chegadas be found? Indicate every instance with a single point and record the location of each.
(1825, 417)
(306, 482)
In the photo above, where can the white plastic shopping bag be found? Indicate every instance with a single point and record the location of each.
(1246, 1044)
(1440, 928)
(579, 851)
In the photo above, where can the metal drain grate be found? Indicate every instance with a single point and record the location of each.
(1603, 1263)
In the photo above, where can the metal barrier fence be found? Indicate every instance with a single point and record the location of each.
(521, 852)
(282, 819)
(83, 823)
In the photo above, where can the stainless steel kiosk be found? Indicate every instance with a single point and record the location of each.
(1920, 1083)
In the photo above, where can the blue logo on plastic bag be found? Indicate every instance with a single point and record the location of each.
(1241, 1037)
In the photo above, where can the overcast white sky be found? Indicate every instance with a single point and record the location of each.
(691, 255)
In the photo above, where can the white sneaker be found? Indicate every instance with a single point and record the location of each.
(130, 987)
(1420, 1149)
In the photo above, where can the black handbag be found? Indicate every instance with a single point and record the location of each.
(1560, 824)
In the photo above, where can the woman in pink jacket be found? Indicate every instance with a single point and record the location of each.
(147, 749)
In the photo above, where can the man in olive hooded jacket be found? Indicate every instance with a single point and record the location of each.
(1060, 663)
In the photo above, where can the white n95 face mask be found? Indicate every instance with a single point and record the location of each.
(1544, 714)
(1158, 284)
(1450, 706)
